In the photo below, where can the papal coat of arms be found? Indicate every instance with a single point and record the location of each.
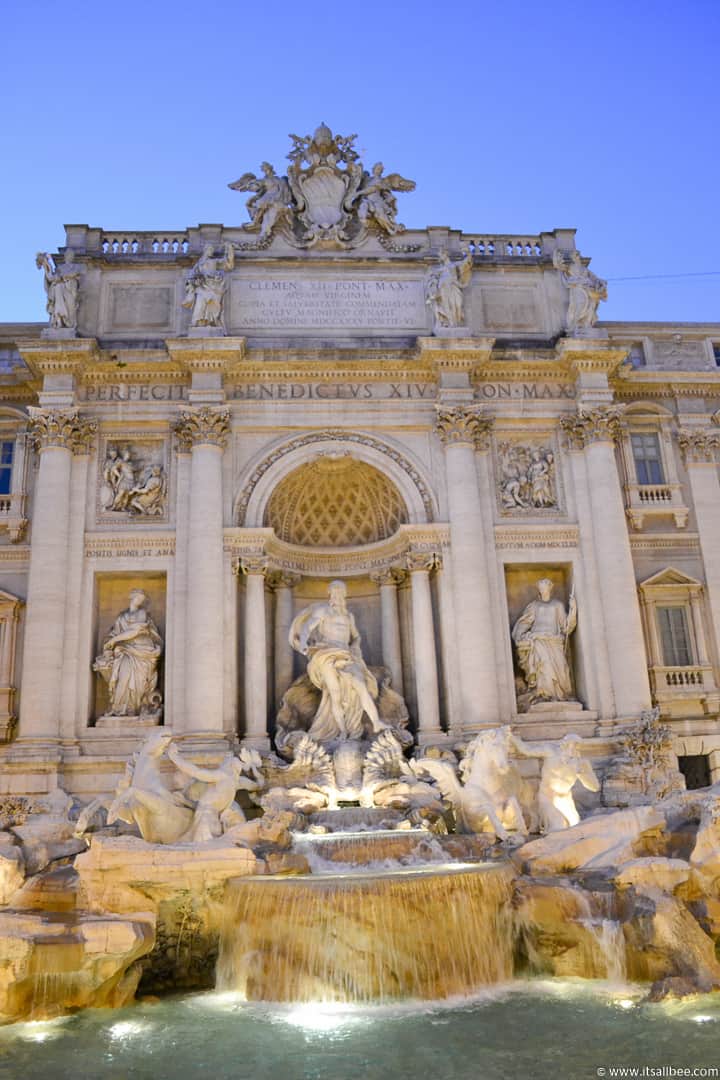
(327, 198)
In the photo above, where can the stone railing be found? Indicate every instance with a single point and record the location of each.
(655, 500)
(504, 247)
(144, 243)
(12, 515)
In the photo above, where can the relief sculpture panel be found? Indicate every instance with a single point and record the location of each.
(527, 481)
(132, 480)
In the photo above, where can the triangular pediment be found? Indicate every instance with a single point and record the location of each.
(670, 576)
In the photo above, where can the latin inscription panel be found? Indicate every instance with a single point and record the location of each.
(359, 303)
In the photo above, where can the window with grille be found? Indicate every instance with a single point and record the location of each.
(6, 463)
(648, 462)
(675, 636)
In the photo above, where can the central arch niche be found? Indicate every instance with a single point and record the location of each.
(335, 501)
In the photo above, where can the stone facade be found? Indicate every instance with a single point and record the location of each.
(227, 418)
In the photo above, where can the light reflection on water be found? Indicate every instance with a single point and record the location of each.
(544, 1029)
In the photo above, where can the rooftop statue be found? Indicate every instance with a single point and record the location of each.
(205, 286)
(586, 290)
(444, 290)
(61, 286)
(327, 198)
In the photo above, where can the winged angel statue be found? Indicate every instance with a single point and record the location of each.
(327, 197)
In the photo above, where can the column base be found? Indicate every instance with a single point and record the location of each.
(435, 737)
(256, 742)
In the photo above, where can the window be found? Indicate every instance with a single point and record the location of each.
(646, 454)
(716, 354)
(675, 637)
(637, 355)
(6, 464)
(696, 770)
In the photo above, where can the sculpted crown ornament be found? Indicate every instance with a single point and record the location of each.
(327, 198)
(202, 425)
(592, 425)
(457, 424)
(60, 427)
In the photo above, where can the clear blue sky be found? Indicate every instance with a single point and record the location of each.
(511, 117)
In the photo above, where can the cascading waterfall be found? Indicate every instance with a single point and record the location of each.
(364, 937)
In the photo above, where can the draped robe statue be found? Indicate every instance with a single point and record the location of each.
(326, 633)
(541, 635)
(129, 660)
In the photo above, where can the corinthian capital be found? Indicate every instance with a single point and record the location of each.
(203, 425)
(592, 425)
(457, 424)
(60, 427)
(698, 447)
(422, 560)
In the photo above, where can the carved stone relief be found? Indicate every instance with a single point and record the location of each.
(132, 480)
(527, 481)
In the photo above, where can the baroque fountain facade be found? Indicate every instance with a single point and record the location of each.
(355, 580)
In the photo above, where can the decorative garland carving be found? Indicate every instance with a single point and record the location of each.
(60, 427)
(698, 447)
(202, 425)
(337, 435)
(592, 425)
(457, 424)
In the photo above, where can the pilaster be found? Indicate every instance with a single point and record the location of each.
(256, 676)
(699, 448)
(419, 565)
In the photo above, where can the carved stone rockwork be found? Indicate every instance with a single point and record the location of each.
(699, 447)
(646, 769)
(586, 290)
(328, 198)
(592, 425)
(60, 427)
(456, 424)
(203, 426)
(133, 481)
(527, 477)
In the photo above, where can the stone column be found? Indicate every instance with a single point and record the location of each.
(388, 581)
(282, 584)
(463, 429)
(595, 431)
(57, 434)
(426, 679)
(699, 447)
(205, 431)
(255, 568)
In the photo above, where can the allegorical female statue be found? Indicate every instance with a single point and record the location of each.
(205, 286)
(326, 633)
(129, 661)
(61, 287)
(444, 289)
(541, 636)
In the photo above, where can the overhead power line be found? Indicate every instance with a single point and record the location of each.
(654, 277)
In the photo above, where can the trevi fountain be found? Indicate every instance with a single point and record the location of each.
(359, 629)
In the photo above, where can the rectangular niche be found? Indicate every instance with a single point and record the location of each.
(112, 597)
(521, 588)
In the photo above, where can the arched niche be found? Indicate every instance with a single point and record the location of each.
(272, 467)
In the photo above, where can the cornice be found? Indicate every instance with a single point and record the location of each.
(69, 356)
(581, 355)
(455, 354)
(200, 354)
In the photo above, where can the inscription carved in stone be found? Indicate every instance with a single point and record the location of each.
(339, 303)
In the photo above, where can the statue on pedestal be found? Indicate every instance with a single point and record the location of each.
(586, 290)
(205, 286)
(444, 290)
(129, 661)
(541, 636)
(61, 287)
(326, 633)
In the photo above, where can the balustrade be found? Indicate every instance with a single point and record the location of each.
(144, 243)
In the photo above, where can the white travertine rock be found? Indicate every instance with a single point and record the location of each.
(603, 841)
(12, 870)
(652, 874)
